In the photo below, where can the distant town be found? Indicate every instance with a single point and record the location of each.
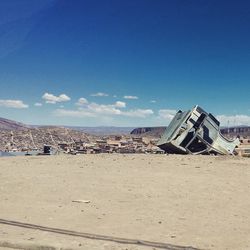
(17, 137)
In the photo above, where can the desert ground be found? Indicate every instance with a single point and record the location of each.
(125, 202)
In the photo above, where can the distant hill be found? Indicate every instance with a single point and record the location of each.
(12, 125)
(37, 137)
(149, 131)
(6, 124)
(103, 130)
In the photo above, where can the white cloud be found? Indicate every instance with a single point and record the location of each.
(233, 120)
(50, 98)
(153, 101)
(17, 104)
(132, 97)
(99, 94)
(141, 113)
(73, 113)
(38, 104)
(101, 110)
(167, 114)
(82, 101)
(120, 104)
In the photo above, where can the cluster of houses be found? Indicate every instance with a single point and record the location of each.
(36, 138)
(112, 144)
(59, 139)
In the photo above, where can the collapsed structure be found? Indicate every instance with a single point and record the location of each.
(195, 132)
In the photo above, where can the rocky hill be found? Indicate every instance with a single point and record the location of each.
(37, 137)
(148, 131)
(12, 125)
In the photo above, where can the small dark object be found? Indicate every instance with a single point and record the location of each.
(46, 149)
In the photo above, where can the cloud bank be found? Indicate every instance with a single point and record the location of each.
(86, 109)
(52, 99)
(17, 104)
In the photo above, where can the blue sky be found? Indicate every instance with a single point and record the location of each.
(123, 62)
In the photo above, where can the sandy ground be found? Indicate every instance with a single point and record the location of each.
(197, 201)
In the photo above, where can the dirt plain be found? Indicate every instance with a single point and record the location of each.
(119, 202)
